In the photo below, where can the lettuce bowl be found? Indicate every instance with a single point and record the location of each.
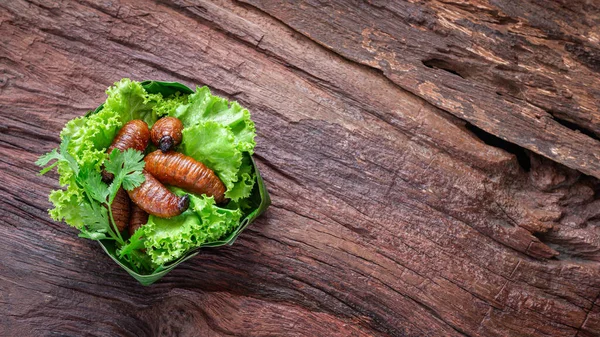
(218, 133)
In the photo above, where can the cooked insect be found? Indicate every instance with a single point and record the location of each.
(154, 198)
(120, 209)
(177, 169)
(133, 135)
(138, 218)
(166, 133)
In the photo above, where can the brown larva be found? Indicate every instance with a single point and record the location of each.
(154, 198)
(137, 219)
(166, 133)
(177, 169)
(120, 209)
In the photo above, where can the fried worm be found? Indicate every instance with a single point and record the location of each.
(138, 218)
(174, 168)
(120, 209)
(154, 198)
(166, 133)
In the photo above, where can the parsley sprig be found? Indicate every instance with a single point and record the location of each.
(95, 209)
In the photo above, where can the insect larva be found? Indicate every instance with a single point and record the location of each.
(154, 198)
(137, 219)
(174, 168)
(120, 209)
(133, 135)
(166, 133)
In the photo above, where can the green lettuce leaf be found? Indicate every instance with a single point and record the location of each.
(204, 107)
(89, 138)
(239, 122)
(129, 101)
(167, 239)
(93, 132)
(213, 145)
(68, 206)
(245, 181)
(198, 102)
(168, 106)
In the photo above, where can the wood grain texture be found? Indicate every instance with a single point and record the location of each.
(525, 72)
(399, 208)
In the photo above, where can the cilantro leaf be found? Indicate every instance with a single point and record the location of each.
(95, 217)
(67, 157)
(133, 253)
(127, 168)
(92, 183)
(124, 163)
(45, 159)
(85, 204)
(92, 235)
(63, 156)
(133, 180)
(136, 241)
(114, 164)
(133, 165)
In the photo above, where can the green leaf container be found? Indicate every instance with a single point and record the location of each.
(259, 197)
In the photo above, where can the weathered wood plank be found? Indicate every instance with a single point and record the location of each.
(522, 72)
(390, 215)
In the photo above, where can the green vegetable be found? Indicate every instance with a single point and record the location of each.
(168, 239)
(216, 132)
(87, 202)
(203, 107)
(129, 100)
(220, 133)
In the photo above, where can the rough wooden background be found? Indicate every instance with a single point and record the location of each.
(433, 166)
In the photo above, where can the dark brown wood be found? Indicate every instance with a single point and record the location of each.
(525, 72)
(433, 167)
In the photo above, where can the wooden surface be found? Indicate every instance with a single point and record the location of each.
(423, 159)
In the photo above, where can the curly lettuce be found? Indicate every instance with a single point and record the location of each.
(217, 135)
(204, 107)
(168, 239)
(129, 100)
